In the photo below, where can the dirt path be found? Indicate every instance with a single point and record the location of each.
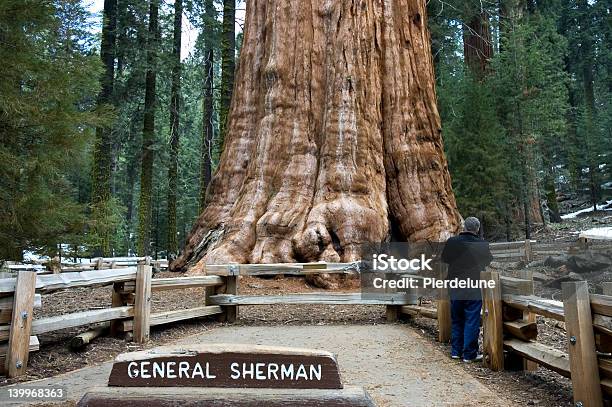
(395, 364)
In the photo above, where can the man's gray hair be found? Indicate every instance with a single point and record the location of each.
(471, 224)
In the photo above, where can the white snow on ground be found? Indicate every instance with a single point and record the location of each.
(598, 233)
(29, 256)
(589, 209)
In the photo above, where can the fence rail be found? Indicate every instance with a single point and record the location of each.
(522, 250)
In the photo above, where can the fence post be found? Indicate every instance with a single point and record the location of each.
(21, 324)
(528, 365)
(142, 304)
(528, 250)
(231, 287)
(392, 313)
(582, 355)
(443, 308)
(583, 243)
(117, 300)
(492, 323)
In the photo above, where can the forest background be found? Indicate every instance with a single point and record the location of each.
(112, 115)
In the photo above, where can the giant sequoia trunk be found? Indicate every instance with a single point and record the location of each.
(333, 137)
(477, 44)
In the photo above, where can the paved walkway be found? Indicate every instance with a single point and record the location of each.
(396, 365)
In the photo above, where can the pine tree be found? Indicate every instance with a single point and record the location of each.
(48, 85)
(585, 24)
(532, 101)
(209, 18)
(101, 202)
(148, 134)
(228, 65)
(172, 243)
(475, 147)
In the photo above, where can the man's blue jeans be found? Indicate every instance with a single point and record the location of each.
(465, 317)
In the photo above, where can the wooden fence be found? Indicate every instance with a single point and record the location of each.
(130, 310)
(523, 250)
(509, 313)
(529, 250)
(100, 263)
(131, 301)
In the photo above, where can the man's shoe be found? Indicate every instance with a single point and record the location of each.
(478, 358)
(455, 357)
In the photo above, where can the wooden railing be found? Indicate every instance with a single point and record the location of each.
(529, 250)
(130, 310)
(230, 300)
(588, 325)
(131, 301)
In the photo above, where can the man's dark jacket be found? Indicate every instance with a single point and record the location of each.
(466, 255)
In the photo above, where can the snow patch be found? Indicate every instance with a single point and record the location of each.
(598, 233)
(589, 209)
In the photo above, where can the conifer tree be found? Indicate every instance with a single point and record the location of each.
(208, 30)
(48, 83)
(175, 97)
(148, 134)
(102, 166)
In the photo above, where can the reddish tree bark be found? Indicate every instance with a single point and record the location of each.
(477, 44)
(333, 135)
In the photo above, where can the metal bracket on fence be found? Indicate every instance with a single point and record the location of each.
(234, 270)
(573, 340)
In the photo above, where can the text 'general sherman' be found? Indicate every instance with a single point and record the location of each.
(237, 371)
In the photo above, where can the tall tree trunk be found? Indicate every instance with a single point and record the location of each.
(528, 203)
(102, 171)
(551, 197)
(148, 135)
(587, 60)
(333, 135)
(122, 15)
(228, 66)
(478, 44)
(172, 243)
(207, 102)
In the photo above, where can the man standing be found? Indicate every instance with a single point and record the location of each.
(466, 255)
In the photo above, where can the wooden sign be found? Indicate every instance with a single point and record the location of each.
(227, 365)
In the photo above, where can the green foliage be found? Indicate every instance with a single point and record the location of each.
(475, 147)
(532, 101)
(48, 81)
(507, 135)
(586, 25)
(105, 219)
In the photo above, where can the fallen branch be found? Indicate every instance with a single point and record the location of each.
(81, 340)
